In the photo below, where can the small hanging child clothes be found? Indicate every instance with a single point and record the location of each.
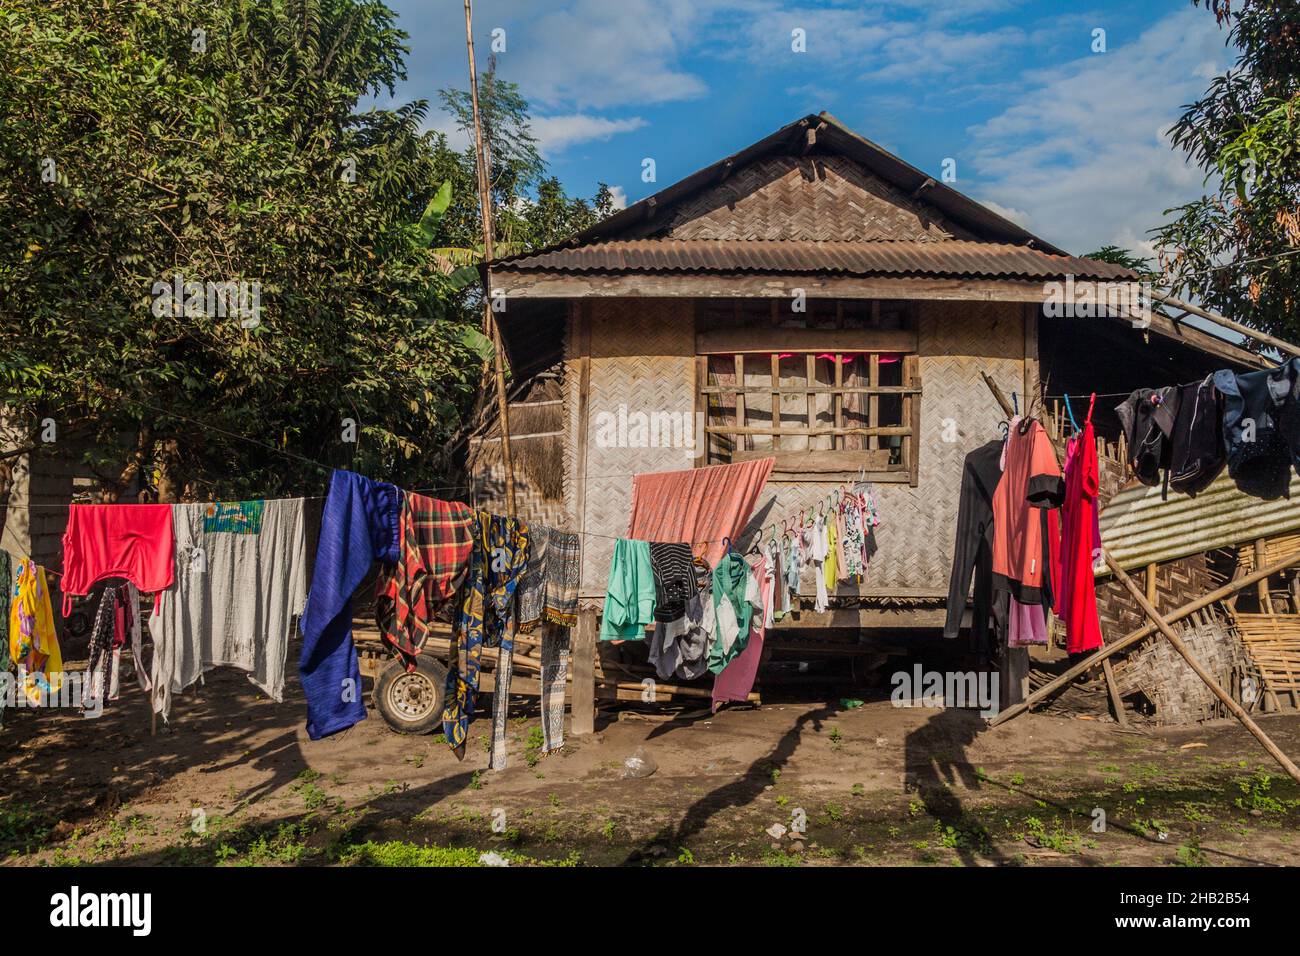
(33, 643)
(816, 547)
(135, 542)
(832, 563)
(1080, 537)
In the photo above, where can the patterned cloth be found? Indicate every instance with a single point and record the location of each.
(497, 563)
(532, 590)
(555, 670)
(33, 643)
(6, 594)
(435, 545)
(563, 565)
(101, 670)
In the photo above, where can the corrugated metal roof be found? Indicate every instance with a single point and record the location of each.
(950, 258)
(1138, 529)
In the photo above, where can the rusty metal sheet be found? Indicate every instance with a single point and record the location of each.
(1138, 529)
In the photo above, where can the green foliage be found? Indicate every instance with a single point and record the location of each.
(1238, 248)
(224, 157)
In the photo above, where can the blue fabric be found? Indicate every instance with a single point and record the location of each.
(359, 526)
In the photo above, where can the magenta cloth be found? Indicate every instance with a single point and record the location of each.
(1026, 624)
(698, 504)
(737, 678)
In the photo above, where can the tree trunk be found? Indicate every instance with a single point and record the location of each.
(170, 483)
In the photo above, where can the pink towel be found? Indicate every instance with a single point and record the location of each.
(698, 504)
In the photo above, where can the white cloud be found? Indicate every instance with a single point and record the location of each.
(556, 133)
(1084, 150)
(619, 195)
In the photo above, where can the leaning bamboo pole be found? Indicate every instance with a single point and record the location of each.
(1177, 642)
(1128, 640)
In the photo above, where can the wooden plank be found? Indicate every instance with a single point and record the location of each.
(873, 381)
(837, 399)
(825, 430)
(761, 339)
(811, 400)
(582, 661)
(776, 387)
(740, 400)
(819, 390)
(817, 462)
(583, 320)
(912, 415)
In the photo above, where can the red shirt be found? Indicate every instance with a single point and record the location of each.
(135, 542)
(1031, 480)
(1078, 588)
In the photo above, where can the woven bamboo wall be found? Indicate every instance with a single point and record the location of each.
(642, 357)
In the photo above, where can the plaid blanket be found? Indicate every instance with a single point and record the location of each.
(436, 540)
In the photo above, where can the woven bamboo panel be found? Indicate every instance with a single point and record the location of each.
(816, 198)
(1177, 583)
(1275, 549)
(1273, 641)
(1169, 683)
(642, 359)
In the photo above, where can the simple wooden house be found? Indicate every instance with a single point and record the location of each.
(816, 299)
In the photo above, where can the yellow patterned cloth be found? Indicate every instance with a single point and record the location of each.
(33, 643)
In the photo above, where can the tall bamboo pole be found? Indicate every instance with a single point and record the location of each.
(489, 320)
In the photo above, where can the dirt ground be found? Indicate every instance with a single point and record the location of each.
(234, 780)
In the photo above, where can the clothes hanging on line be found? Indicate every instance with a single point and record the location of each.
(973, 550)
(117, 621)
(1147, 417)
(735, 596)
(1261, 428)
(549, 590)
(555, 671)
(630, 593)
(1197, 454)
(33, 642)
(434, 546)
(1076, 594)
(698, 504)
(680, 648)
(1031, 481)
(240, 579)
(737, 678)
(128, 541)
(359, 525)
(6, 596)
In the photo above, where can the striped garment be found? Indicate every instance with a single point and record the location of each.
(674, 575)
(433, 560)
(563, 565)
(532, 590)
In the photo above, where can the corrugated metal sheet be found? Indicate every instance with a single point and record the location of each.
(959, 258)
(1138, 529)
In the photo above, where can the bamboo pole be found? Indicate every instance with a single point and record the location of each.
(1234, 708)
(489, 320)
(1262, 337)
(1128, 640)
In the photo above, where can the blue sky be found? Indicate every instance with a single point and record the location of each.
(1068, 142)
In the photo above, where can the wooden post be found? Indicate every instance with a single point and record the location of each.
(583, 719)
(1128, 640)
(1234, 708)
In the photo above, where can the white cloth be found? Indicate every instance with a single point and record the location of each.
(818, 547)
(233, 600)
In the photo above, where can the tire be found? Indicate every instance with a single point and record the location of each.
(411, 701)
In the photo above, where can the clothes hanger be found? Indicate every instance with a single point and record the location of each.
(1070, 411)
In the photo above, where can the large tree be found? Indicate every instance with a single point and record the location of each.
(1238, 248)
(221, 141)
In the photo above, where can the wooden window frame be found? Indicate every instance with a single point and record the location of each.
(762, 343)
